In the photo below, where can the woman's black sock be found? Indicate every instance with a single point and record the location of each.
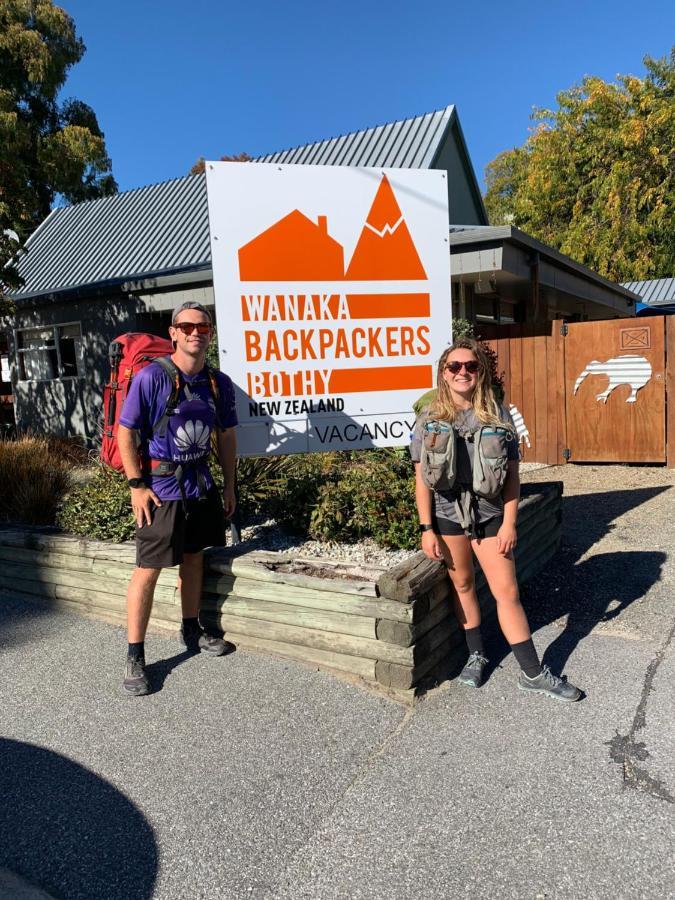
(474, 640)
(527, 658)
(190, 625)
(136, 651)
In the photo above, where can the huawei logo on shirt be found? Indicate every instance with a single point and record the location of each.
(192, 437)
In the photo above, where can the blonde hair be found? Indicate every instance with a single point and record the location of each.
(483, 400)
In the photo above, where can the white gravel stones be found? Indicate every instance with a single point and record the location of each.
(268, 535)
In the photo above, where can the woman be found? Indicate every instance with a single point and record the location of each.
(478, 512)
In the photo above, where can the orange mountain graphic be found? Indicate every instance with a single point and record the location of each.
(297, 249)
(293, 249)
(385, 249)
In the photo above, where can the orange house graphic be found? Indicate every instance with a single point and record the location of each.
(297, 249)
(293, 249)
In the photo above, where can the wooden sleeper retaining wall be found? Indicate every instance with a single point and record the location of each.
(393, 628)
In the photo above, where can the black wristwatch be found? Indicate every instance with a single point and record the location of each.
(426, 528)
(135, 482)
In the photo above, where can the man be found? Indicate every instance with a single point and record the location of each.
(177, 507)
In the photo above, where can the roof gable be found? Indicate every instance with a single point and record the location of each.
(406, 144)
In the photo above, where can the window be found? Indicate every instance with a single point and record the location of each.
(5, 374)
(486, 309)
(48, 353)
(506, 312)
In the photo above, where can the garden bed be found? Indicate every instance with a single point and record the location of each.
(392, 627)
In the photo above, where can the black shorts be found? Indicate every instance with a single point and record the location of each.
(176, 530)
(486, 529)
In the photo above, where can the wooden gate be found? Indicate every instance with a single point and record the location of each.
(615, 390)
(590, 391)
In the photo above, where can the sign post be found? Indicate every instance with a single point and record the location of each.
(332, 291)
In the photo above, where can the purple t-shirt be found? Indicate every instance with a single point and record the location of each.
(189, 429)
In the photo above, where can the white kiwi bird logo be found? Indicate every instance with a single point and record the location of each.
(635, 371)
(192, 436)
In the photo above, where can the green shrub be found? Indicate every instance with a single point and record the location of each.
(339, 496)
(99, 509)
(371, 495)
(347, 496)
(259, 480)
(299, 485)
(34, 477)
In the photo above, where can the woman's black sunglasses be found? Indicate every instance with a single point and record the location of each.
(455, 367)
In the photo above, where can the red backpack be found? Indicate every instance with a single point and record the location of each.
(128, 354)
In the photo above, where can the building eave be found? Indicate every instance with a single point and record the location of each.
(475, 238)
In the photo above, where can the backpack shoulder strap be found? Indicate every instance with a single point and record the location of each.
(215, 392)
(171, 369)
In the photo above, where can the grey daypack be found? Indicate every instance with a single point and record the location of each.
(438, 457)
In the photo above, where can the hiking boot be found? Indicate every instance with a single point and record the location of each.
(472, 673)
(135, 680)
(199, 641)
(548, 683)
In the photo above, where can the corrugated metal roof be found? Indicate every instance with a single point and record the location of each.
(163, 228)
(408, 144)
(155, 229)
(655, 292)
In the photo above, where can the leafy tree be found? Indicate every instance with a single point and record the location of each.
(200, 165)
(596, 178)
(47, 148)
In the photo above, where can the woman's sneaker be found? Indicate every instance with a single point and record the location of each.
(472, 673)
(548, 683)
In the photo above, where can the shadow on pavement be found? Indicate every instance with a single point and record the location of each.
(589, 517)
(67, 830)
(19, 614)
(158, 671)
(595, 590)
(600, 589)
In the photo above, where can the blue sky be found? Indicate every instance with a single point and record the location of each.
(174, 81)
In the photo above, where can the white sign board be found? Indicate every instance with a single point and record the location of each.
(332, 290)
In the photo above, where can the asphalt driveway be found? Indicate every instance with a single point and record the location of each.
(249, 776)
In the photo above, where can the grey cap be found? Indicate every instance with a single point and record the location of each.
(190, 304)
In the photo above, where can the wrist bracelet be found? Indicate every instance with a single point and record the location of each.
(426, 528)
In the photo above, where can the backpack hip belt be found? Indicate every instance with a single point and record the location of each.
(166, 467)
